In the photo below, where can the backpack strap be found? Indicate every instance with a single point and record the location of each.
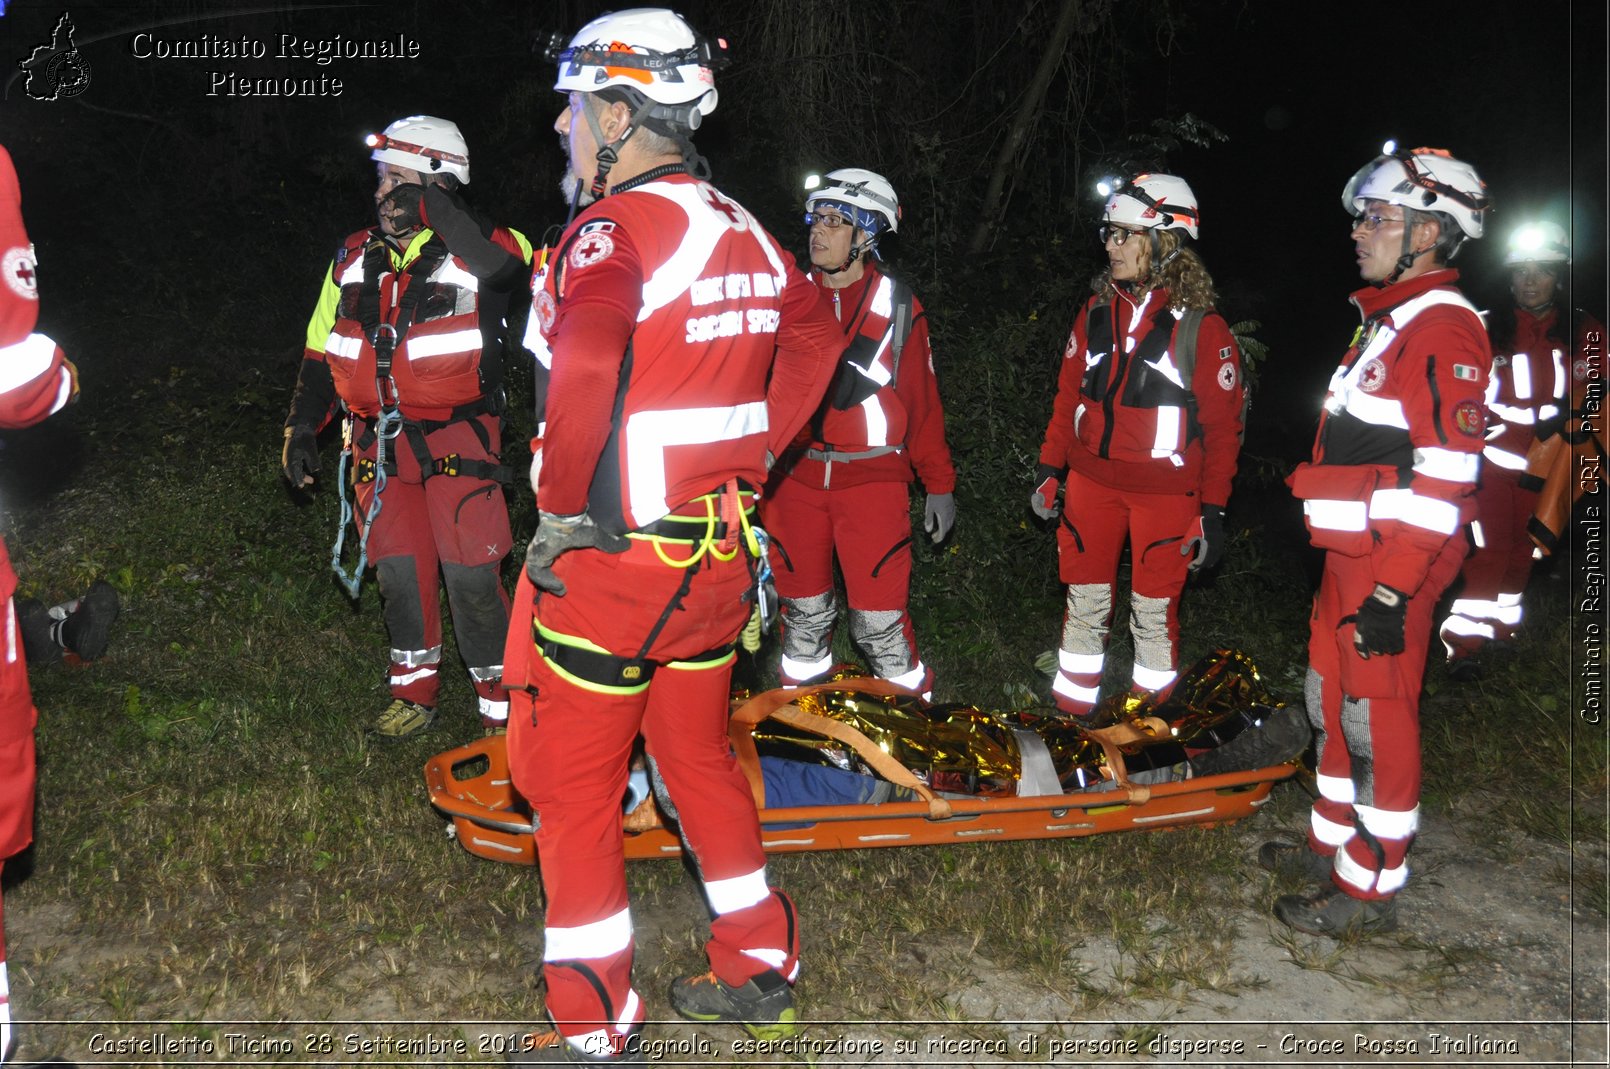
(1185, 332)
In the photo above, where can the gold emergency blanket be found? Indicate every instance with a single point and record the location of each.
(964, 749)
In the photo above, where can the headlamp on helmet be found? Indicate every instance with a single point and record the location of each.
(1152, 202)
(1539, 243)
(1422, 179)
(425, 144)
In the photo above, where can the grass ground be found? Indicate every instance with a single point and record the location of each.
(218, 840)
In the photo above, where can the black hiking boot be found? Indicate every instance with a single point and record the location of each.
(764, 1005)
(1331, 911)
(1286, 858)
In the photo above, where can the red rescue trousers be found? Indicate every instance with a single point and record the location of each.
(1366, 716)
(1096, 522)
(1488, 605)
(17, 718)
(570, 743)
(868, 527)
(457, 525)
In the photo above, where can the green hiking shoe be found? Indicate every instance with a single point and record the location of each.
(763, 1005)
(402, 719)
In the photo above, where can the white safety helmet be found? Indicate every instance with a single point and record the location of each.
(1539, 243)
(1153, 202)
(1425, 179)
(865, 196)
(425, 144)
(652, 54)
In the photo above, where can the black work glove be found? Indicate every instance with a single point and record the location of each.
(561, 534)
(1208, 545)
(300, 458)
(1043, 499)
(465, 235)
(1379, 626)
(401, 208)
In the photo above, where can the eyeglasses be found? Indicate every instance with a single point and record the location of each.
(832, 222)
(1372, 222)
(1115, 234)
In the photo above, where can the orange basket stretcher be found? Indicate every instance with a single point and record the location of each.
(471, 785)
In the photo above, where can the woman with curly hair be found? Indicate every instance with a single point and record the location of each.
(1145, 433)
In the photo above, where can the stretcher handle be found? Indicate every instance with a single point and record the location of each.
(780, 705)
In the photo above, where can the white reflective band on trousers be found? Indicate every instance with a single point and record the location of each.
(1328, 831)
(1503, 458)
(1337, 515)
(1069, 689)
(804, 669)
(1152, 678)
(26, 360)
(1080, 664)
(1336, 788)
(599, 939)
(737, 892)
(912, 679)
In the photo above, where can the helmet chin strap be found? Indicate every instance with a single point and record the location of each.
(1409, 256)
(869, 245)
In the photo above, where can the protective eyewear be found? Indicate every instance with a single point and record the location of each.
(1373, 221)
(1115, 234)
(832, 220)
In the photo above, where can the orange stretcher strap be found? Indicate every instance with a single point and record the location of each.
(780, 705)
(1128, 733)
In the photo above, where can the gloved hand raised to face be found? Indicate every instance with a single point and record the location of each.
(466, 237)
(1208, 542)
(939, 516)
(1379, 627)
(400, 207)
(561, 534)
(300, 457)
(1044, 498)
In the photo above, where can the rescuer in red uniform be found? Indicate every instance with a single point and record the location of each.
(1386, 495)
(842, 489)
(37, 381)
(1146, 431)
(1540, 353)
(677, 345)
(409, 334)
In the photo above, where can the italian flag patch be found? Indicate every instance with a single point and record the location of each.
(1466, 371)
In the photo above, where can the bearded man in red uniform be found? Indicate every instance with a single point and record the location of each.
(1541, 359)
(678, 345)
(1386, 495)
(1146, 438)
(408, 334)
(36, 380)
(842, 489)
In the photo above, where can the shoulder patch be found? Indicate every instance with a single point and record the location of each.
(598, 226)
(1579, 370)
(1227, 376)
(591, 248)
(18, 266)
(1224, 353)
(1466, 372)
(1470, 418)
(545, 310)
(1372, 376)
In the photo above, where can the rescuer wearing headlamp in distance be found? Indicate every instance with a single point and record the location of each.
(1543, 355)
(408, 335)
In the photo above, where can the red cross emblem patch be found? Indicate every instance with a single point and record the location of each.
(18, 267)
(1372, 376)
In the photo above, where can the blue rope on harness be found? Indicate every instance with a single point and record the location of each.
(387, 425)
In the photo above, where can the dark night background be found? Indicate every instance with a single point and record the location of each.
(178, 230)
